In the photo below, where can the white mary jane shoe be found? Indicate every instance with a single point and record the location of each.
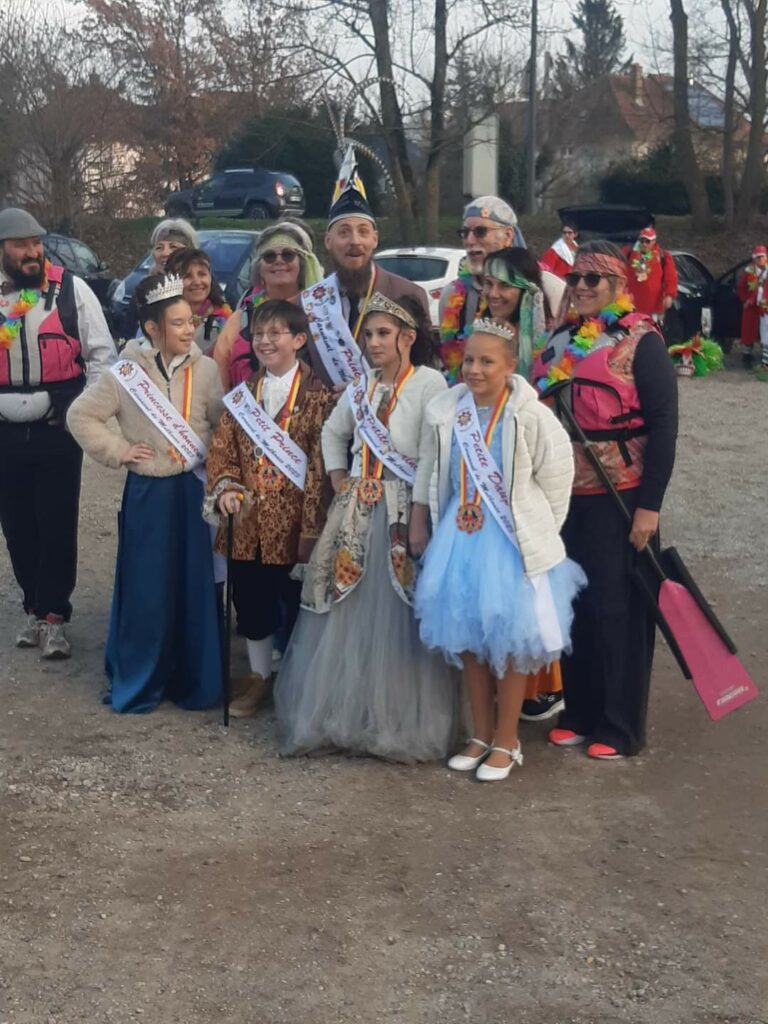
(464, 763)
(487, 773)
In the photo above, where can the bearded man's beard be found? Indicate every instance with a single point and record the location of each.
(23, 278)
(354, 282)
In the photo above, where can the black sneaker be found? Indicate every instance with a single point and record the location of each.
(545, 706)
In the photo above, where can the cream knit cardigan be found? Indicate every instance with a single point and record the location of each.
(89, 414)
(537, 466)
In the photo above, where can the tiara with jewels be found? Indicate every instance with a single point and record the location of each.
(170, 288)
(379, 303)
(488, 326)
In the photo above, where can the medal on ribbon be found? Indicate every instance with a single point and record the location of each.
(469, 515)
(370, 488)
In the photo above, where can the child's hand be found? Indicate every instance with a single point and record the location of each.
(138, 452)
(229, 502)
(338, 476)
(418, 530)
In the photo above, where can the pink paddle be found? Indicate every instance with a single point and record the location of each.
(720, 679)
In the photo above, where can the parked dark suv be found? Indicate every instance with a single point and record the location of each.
(249, 192)
(76, 256)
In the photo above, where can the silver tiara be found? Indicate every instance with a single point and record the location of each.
(169, 288)
(488, 326)
(381, 304)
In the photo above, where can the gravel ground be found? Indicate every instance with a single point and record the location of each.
(161, 869)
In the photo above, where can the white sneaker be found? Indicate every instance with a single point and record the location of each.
(29, 636)
(487, 773)
(464, 763)
(53, 641)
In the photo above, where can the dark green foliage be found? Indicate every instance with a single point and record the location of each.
(599, 53)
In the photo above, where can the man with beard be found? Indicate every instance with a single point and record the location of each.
(336, 306)
(489, 224)
(52, 330)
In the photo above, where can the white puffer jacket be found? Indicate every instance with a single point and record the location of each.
(537, 466)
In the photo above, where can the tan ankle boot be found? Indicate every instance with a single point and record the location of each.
(253, 690)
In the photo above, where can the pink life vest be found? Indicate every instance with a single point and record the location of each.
(47, 357)
(607, 406)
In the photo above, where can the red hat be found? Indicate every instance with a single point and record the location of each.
(759, 250)
(649, 233)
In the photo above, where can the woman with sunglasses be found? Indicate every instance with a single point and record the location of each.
(210, 309)
(284, 264)
(624, 396)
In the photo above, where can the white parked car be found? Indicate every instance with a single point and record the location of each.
(428, 266)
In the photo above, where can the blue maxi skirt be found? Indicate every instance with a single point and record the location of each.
(164, 641)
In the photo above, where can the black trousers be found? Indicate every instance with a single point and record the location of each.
(40, 471)
(265, 598)
(607, 677)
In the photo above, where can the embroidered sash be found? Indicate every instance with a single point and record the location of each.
(160, 412)
(376, 435)
(330, 332)
(489, 481)
(278, 446)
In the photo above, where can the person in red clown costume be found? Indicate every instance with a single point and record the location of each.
(747, 288)
(652, 277)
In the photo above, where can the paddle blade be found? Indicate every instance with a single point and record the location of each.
(720, 679)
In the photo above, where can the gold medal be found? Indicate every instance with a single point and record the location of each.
(469, 518)
(370, 492)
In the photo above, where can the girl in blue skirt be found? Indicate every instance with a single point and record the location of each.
(495, 592)
(163, 641)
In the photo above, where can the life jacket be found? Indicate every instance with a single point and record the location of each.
(47, 353)
(607, 406)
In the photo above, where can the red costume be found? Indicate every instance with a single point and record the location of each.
(652, 276)
(746, 289)
(559, 258)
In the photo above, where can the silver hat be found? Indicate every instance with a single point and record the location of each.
(16, 223)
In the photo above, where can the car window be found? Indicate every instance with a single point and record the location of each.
(238, 181)
(226, 251)
(85, 257)
(213, 184)
(414, 268)
(63, 253)
(691, 271)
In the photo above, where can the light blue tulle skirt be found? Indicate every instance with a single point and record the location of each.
(473, 595)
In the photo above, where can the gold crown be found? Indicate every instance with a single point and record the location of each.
(379, 303)
(171, 287)
(487, 326)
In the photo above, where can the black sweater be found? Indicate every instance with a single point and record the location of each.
(657, 387)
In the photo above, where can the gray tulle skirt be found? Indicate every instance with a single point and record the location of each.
(357, 678)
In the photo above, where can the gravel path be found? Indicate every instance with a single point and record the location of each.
(159, 869)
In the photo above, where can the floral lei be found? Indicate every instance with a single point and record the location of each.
(207, 309)
(641, 259)
(583, 341)
(28, 299)
(452, 335)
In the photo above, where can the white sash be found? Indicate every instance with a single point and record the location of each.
(281, 450)
(330, 332)
(376, 435)
(159, 411)
(489, 481)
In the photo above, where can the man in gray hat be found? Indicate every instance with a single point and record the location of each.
(52, 332)
(489, 224)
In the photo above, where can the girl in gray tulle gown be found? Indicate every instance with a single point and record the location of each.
(355, 676)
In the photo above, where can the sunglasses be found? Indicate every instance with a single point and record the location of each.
(591, 280)
(287, 256)
(480, 232)
(647, 241)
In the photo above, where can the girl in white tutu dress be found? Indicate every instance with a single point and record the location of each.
(496, 590)
(355, 675)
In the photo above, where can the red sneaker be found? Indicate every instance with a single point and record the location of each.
(602, 752)
(565, 738)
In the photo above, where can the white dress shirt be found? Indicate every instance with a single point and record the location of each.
(275, 391)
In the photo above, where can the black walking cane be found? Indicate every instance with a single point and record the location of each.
(228, 617)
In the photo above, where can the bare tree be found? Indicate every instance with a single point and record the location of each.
(753, 176)
(684, 149)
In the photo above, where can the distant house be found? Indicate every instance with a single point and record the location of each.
(614, 120)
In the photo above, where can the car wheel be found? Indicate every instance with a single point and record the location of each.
(178, 210)
(256, 211)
